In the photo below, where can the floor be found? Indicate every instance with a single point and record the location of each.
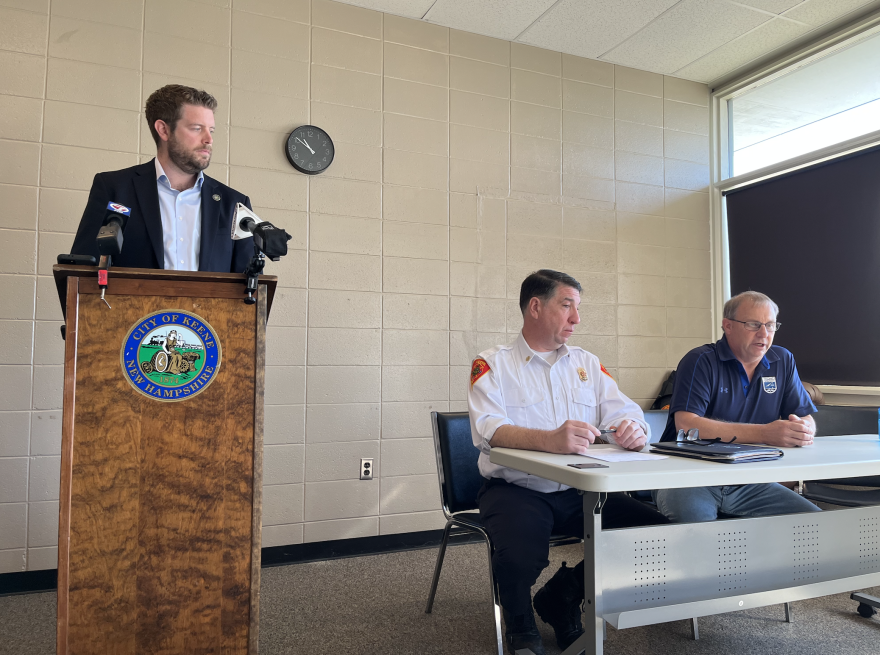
(376, 604)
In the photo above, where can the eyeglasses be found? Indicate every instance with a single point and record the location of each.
(754, 326)
(693, 436)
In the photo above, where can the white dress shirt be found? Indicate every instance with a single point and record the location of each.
(181, 222)
(521, 388)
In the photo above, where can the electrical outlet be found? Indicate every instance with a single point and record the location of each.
(366, 468)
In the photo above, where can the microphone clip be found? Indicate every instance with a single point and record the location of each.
(253, 272)
(103, 276)
(109, 242)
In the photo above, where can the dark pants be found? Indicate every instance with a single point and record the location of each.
(520, 522)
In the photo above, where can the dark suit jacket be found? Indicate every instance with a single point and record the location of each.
(135, 188)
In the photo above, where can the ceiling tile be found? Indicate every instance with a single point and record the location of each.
(686, 32)
(409, 8)
(503, 19)
(773, 6)
(763, 40)
(819, 12)
(600, 25)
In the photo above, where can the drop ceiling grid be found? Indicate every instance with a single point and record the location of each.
(699, 40)
(503, 19)
(601, 25)
(686, 32)
(747, 47)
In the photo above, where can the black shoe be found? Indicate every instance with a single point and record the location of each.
(522, 634)
(558, 603)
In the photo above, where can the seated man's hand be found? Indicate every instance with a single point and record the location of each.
(630, 435)
(792, 432)
(572, 437)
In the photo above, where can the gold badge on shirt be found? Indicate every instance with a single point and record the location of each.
(582, 374)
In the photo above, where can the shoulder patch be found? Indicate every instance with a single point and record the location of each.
(605, 371)
(478, 370)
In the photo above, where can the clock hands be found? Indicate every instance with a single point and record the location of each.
(306, 145)
(300, 159)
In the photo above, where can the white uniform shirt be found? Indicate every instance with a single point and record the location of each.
(521, 388)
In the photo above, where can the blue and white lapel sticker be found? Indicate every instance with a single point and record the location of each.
(769, 385)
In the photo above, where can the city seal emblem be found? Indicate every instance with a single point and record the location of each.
(171, 355)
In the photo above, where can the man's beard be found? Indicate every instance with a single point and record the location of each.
(186, 160)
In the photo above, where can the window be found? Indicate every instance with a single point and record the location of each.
(809, 239)
(832, 99)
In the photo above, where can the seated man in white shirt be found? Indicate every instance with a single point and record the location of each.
(537, 393)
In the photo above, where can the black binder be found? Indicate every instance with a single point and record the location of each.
(717, 451)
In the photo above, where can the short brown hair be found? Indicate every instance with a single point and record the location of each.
(166, 104)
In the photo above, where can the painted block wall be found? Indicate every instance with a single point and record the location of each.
(463, 163)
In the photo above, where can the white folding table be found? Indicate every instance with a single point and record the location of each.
(641, 576)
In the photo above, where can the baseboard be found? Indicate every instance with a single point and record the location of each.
(359, 546)
(27, 582)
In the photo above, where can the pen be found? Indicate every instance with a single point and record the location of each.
(611, 431)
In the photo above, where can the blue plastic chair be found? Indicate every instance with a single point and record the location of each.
(460, 482)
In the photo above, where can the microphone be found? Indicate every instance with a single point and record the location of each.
(110, 242)
(110, 235)
(270, 240)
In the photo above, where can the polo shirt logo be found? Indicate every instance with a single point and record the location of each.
(769, 385)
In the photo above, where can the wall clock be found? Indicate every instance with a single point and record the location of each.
(309, 149)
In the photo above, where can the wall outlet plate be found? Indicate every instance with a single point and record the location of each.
(366, 468)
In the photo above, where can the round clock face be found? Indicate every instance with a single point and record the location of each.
(309, 149)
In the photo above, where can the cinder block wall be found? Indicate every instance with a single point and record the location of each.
(462, 164)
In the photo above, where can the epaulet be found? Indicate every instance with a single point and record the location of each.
(583, 354)
(479, 369)
(491, 352)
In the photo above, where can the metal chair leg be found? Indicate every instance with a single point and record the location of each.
(440, 555)
(788, 616)
(695, 629)
(496, 601)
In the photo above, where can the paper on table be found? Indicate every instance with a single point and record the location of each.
(622, 456)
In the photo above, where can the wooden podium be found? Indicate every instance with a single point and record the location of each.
(161, 463)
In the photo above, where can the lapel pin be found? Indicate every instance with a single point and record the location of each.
(216, 197)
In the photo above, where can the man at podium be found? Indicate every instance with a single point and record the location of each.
(181, 219)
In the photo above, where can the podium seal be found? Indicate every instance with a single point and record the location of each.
(171, 355)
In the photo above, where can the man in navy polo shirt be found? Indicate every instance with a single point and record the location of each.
(745, 387)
